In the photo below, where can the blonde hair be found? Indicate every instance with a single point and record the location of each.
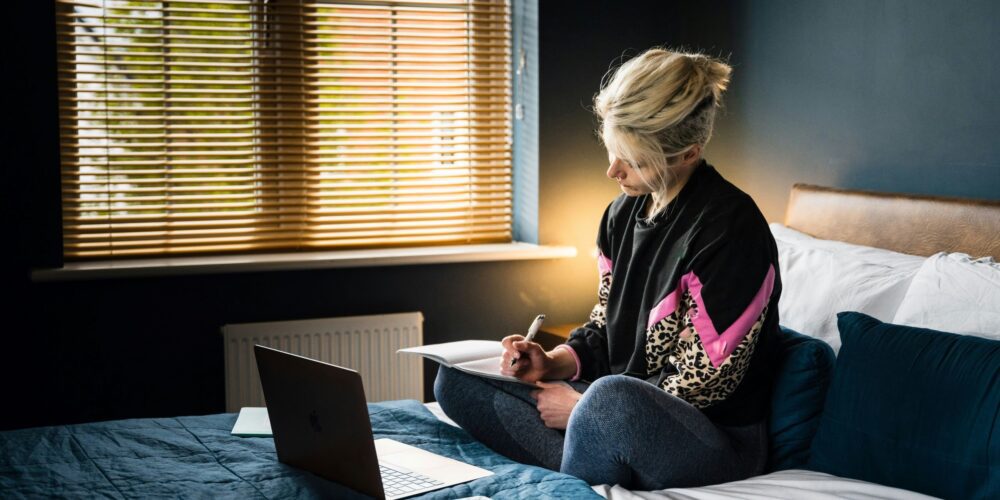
(657, 105)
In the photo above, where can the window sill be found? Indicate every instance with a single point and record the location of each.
(180, 266)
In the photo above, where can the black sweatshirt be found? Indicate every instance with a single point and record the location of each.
(689, 300)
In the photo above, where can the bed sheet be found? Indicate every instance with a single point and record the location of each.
(793, 483)
(197, 456)
(798, 484)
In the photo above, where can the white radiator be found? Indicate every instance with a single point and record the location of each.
(367, 344)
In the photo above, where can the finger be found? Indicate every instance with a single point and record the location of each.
(534, 394)
(506, 369)
(509, 340)
(514, 362)
(516, 368)
(512, 351)
(546, 385)
(548, 421)
(526, 349)
(524, 345)
(529, 348)
(507, 358)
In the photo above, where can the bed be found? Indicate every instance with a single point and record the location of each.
(196, 456)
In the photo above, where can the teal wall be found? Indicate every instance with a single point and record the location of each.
(890, 95)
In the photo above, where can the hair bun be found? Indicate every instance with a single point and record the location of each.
(714, 74)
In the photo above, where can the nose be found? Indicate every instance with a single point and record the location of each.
(617, 169)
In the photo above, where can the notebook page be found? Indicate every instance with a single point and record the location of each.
(453, 353)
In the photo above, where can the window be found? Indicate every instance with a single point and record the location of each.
(233, 126)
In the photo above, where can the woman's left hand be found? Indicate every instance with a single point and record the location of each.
(555, 403)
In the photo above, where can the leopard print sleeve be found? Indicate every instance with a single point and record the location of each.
(698, 381)
(662, 334)
(589, 342)
(702, 365)
(599, 314)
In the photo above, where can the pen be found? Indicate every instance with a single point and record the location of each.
(532, 330)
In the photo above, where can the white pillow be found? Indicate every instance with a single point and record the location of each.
(823, 277)
(954, 293)
(868, 254)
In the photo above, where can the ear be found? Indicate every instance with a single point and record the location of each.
(692, 155)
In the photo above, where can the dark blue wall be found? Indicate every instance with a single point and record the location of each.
(891, 95)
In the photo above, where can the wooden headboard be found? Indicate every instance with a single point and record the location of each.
(913, 224)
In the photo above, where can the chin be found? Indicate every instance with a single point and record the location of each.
(631, 191)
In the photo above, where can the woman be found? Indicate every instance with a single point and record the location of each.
(668, 383)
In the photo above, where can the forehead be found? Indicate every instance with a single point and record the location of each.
(623, 144)
(617, 148)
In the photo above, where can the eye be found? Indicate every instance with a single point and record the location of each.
(632, 164)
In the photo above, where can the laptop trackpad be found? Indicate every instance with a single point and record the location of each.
(432, 465)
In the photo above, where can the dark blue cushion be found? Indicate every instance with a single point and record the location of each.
(913, 408)
(804, 370)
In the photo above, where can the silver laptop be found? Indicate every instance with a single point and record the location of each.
(319, 418)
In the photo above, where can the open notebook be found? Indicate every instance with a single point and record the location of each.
(477, 357)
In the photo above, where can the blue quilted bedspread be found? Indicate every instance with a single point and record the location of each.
(197, 457)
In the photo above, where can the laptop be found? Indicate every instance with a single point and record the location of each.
(319, 417)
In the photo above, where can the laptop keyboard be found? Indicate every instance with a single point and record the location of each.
(398, 483)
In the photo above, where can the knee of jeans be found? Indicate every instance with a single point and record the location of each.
(602, 401)
(441, 384)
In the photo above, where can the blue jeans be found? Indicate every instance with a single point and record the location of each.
(623, 431)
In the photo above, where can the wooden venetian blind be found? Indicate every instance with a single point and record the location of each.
(243, 126)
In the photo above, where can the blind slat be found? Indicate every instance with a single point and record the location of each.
(84, 228)
(292, 231)
(164, 203)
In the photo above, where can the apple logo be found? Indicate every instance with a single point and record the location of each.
(314, 422)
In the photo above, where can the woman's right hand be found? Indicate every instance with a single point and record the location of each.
(533, 363)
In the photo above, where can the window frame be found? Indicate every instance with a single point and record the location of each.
(525, 173)
(516, 199)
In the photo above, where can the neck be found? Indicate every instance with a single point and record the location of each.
(659, 199)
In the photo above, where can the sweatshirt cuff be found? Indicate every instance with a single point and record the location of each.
(576, 359)
(584, 356)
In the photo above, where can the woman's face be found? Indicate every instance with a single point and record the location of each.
(627, 176)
